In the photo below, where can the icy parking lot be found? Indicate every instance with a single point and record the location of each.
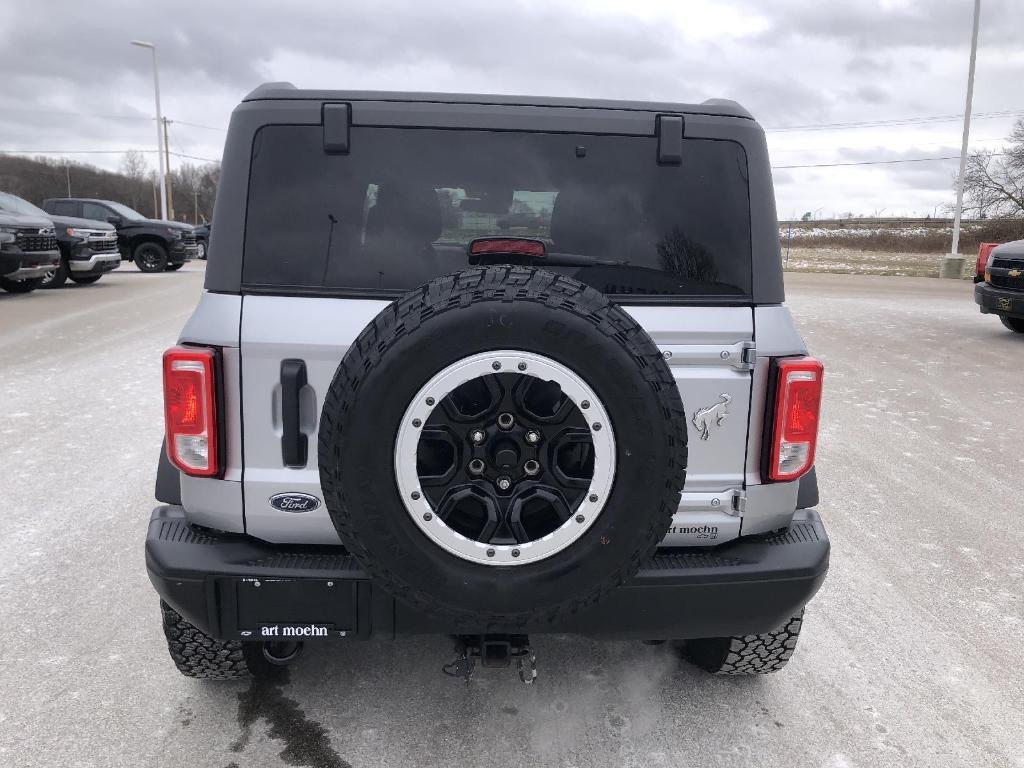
(911, 654)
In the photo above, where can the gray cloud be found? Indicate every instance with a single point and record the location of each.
(790, 62)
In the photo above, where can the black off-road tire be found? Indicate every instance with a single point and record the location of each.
(85, 279)
(150, 257)
(198, 655)
(1015, 324)
(747, 654)
(20, 286)
(57, 278)
(476, 311)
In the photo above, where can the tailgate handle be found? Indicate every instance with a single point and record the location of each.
(293, 441)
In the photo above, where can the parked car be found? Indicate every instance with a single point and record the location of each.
(154, 245)
(202, 233)
(482, 434)
(88, 249)
(28, 245)
(1000, 289)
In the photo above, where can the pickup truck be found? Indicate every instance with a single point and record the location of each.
(28, 245)
(154, 245)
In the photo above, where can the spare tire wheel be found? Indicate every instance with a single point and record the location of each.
(502, 446)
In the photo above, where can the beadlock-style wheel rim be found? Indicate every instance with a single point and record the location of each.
(556, 454)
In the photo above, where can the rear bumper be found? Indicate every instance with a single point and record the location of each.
(999, 301)
(232, 586)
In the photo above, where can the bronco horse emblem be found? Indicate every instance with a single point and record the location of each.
(712, 416)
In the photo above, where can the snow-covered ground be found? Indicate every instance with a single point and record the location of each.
(859, 262)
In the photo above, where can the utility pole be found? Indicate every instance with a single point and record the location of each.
(170, 186)
(67, 173)
(952, 265)
(195, 200)
(159, 133)
(156, 207)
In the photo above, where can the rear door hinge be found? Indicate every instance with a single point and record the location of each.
(748, 354)
(739, 503)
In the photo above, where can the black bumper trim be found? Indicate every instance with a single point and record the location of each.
(747, 586)
(999, 301)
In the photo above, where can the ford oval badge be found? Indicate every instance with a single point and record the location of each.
(294, 502)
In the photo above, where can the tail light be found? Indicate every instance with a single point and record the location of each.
(795, 422)
(190, 410)
(979, 267)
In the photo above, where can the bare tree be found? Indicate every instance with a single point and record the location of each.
(994, 182)
(134, 164)
(136, 168)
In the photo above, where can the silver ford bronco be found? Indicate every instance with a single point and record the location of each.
(489, 367)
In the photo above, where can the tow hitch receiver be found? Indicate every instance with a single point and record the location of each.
(492, 651)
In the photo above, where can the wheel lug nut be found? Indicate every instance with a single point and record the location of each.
(593, 498)
(504, 483)
(506, 421)
(477, 436)
(515, 553)
(531, 467)
(476, 467)
(596, 426)
(585, 404)
(580, 518)
(490, 553)
(533, 437)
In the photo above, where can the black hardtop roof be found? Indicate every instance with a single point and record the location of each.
(287, 91)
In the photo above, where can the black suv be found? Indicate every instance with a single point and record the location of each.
(154, 245)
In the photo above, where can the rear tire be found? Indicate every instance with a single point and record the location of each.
(150, 257)
(20, 286)
(746, 654)
(198, 655)
(1015, 324)
(57, 277)
(85, 279)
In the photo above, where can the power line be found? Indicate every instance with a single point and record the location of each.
(97, 152)
(200, 125)
(35, 110)
(876, 162)
(898, 121)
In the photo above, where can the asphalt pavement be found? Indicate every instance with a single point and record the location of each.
(911, 654)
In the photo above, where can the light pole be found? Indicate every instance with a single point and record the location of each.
(159, 129)
(953, 264)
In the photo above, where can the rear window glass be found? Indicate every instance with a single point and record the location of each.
(404, 205)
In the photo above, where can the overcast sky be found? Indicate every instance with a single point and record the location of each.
(70, 80)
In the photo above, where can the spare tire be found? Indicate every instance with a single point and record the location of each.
(502, 446)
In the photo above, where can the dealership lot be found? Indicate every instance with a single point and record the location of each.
(910, 655)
